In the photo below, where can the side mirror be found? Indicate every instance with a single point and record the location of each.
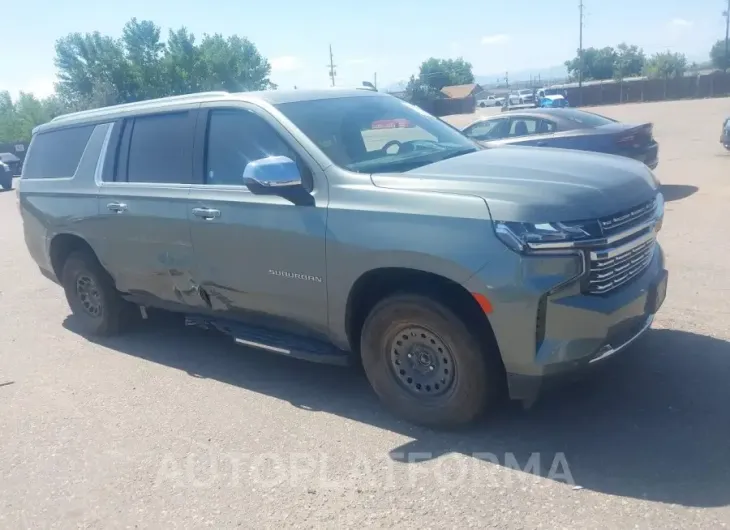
(273, 174)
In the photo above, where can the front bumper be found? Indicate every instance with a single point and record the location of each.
(546, 334)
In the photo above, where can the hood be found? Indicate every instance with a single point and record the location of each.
(535, 184)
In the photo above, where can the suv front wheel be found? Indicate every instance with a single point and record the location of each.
(94, 301)
(425, 364)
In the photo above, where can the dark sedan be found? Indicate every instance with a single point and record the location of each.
(568, 129)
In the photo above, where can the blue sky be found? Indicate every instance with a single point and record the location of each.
(390, 37)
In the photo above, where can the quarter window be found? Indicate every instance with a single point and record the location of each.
(160, 149)
(57, 154)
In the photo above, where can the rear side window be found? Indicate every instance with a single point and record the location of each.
(56, 154)
(582, 119)
(160, 149)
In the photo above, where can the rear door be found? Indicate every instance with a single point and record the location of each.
(260, 258)
(143, 208)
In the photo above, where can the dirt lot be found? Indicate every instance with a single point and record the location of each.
(165, 428)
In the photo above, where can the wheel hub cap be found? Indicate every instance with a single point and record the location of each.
(89, 295)
(422, 362)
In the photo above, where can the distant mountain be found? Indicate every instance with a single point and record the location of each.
(547, 75)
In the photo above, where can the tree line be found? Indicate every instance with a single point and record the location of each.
(626, 60)
(96, 70)
(619, 62)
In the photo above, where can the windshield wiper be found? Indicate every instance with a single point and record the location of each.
(458, 152)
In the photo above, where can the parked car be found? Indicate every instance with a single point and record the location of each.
(13, 162)
(490, 101)
(549, 97)
(6, 176)
(449, 271)
(525, 96)
(568, 129)
(725, 134)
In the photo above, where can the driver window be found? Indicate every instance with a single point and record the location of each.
(235, 138)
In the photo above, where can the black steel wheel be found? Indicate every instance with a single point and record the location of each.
(425, 364)
(96, 304)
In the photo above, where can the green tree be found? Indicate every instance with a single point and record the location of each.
(18, 118)
(438, 73)
(629, 61)
(97, 70)
(598, 63)
(717, 55)
(419, 93)
(666, 65)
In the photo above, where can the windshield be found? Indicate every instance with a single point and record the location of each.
(376, 134)
(552, 92)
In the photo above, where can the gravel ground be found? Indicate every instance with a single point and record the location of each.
(173, 428)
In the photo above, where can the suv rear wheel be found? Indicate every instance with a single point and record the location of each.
(93, 299)
(425, 364)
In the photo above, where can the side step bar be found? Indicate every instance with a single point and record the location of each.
(286, 344)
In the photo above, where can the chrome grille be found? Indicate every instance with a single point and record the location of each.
(612, 267)
(624, 218)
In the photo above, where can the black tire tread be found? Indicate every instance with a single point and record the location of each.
(479, 377)
(118, 313)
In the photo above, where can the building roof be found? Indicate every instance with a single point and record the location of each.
(460, 91)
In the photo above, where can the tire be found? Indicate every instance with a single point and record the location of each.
(448, 397)
(82, 272)
(7, 184)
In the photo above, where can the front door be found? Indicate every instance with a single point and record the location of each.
(260, 258)
(143, 207)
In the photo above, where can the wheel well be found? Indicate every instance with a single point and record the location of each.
(62, 246)
(378, 284)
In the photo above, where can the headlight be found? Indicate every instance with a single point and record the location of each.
(521, 237)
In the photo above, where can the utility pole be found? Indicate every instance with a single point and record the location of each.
(506, 79)
(580, 54)
(727, 36)
(375, 80)
(331, 66)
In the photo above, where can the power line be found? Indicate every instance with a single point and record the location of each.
(331, 67)
(580, 52)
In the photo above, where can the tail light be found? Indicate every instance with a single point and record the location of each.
(633, 137)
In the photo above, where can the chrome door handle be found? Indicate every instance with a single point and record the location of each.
(206, 213)
(117, 207)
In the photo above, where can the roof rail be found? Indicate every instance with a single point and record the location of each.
(140, 105)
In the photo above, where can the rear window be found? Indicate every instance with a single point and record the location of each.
(56, 154)
(585, 119)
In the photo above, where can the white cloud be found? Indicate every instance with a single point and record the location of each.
(286, 63)
(680, 23)
(499, 38)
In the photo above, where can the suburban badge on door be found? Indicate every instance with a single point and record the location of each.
(296, 276)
